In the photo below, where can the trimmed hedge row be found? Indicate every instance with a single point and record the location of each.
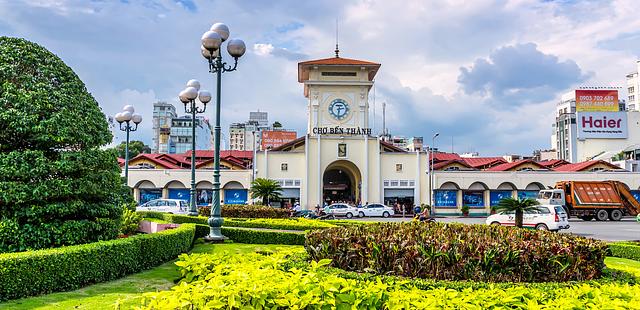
(67, 268)
(447, 251)
(284, 224)
(625, 250)
(236, 234)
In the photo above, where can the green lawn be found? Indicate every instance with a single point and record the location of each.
(126, 291)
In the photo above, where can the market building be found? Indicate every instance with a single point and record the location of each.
(339, 159)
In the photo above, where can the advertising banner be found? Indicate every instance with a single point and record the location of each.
(602, 125)
(496, 196)
(527, 194)
(235, 196)
(473, 199)
(149, 194)
(445, 198)
(589, 100)
(204, 196)
(181, 194)
(275, 138)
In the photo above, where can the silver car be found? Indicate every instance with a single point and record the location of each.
(174, 206)
(343, 209)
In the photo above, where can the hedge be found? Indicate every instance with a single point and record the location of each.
(236, 234)
(283, 224)
(249, 211)
(67, 268)
(447, 251)
(625, 250)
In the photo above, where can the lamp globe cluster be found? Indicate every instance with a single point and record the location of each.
(127, 115)
(192, 91)
(212, 41)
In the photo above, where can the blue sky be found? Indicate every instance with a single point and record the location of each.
(484, 74)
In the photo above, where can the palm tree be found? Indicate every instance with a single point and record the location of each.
(517, 205)
(265, 189)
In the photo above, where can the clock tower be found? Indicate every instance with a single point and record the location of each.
(338, 93)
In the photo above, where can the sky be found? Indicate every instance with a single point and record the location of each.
(486, 75)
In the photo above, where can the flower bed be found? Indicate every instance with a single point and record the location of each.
(270, 281)
(249, 211)
(60, 269)
(459, 252)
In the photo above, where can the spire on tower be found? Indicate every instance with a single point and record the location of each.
(337, 49)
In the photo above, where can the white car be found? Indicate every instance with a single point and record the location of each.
(375, 209)
(343, 209)
(174, 206)
(544, 217)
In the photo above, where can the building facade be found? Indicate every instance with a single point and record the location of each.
(633, 89)
(180, 137)
(163, 113)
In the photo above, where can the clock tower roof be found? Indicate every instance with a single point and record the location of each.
(303, 67)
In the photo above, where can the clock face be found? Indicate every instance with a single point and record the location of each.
(339, 109)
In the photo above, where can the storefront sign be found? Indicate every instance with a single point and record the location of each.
(589, 100)
(602, 125)
(235, 196)
(353, 131)
(149, 194)
(443, 198)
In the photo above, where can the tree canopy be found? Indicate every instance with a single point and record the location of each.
(135, 148)
(57, 187)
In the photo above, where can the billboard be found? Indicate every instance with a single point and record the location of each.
(235, 196)
(602, 125)
(589, 100)
(275, 138)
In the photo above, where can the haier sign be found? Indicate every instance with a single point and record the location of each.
(602, 125)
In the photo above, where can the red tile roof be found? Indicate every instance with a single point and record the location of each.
(585, 165)
(445, 163)
(338, 61)
(442, 156)
(553, 163)
(154, 158)
(223, 153)
(120, 161)
(515, 165)
(484, 162)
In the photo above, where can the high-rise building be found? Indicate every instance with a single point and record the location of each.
(180, 138)
(163, 113)
(241, 135)
(592, 123)
(633, 89)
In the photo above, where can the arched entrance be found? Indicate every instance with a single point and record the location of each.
(341, 181)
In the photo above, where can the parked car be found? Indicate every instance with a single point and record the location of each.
(343, 209)
(544, 217)
(174, 206)
(375, 209)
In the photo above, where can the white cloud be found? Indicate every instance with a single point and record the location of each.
(140, 52)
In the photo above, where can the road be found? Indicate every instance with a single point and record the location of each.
(626, 229)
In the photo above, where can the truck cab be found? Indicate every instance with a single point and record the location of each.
(551, 197)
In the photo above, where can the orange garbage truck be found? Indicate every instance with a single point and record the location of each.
(587, 200)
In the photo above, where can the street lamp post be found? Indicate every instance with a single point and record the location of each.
(125, 118)
(188, 97)
(211, 42)
(431, 178)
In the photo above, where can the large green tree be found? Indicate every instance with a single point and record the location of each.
(135, 148)
(57, 187)
(265, 189)
(519, 206)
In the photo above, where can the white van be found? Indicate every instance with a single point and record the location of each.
(174, 206)
(544, 217)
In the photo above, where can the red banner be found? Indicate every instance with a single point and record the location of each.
(275, 138)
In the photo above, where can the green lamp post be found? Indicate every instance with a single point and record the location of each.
(211, 50)
(125, 118)
(188, 97)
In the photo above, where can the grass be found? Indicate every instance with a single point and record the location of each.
(125, 292)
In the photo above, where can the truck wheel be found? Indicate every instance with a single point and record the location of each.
(602, 215)
(615, 215)
(587, 218)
